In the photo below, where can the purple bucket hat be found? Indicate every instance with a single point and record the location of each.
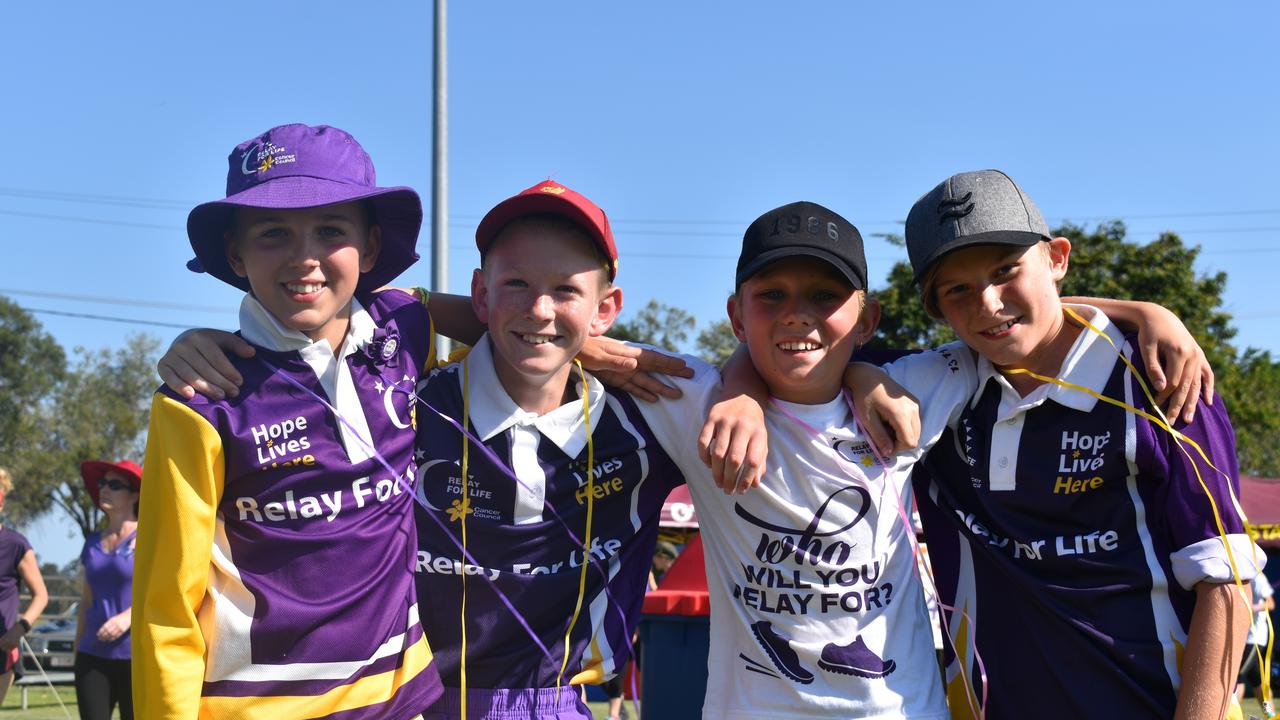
(292, 167)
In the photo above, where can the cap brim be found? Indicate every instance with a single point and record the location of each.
(544, 203)
(1012, 238)
(397, 210)
(757, 264)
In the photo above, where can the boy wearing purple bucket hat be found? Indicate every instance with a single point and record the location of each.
(275, 556)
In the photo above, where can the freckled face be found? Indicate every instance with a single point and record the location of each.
(303, 265)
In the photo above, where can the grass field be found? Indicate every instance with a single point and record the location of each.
(42, 705)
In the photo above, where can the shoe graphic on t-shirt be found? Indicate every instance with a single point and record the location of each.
(854, 659)
(778, 648)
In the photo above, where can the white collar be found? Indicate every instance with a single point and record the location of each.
(492, 410)
(261, 328)
(1088, 363)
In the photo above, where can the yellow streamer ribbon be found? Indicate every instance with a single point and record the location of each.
(1181, 441)
(586, 540)
(465, 509)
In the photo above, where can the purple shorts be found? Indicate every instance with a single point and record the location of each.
(564, 703)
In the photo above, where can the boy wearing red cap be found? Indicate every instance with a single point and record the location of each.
(542, 553)
(275, 546)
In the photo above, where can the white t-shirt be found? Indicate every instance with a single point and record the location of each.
(816, 605)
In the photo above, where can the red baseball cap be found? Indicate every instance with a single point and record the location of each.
(551, 198)
(93, 470)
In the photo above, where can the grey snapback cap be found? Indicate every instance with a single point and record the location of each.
(973, 208)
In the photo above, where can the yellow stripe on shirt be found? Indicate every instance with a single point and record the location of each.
(176, 520)
(369, 690)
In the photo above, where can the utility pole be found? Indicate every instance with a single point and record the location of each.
(440, 169)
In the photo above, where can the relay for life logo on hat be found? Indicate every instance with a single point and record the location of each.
(551, 198)
(972, 208)
(803, 228)
(292, 167)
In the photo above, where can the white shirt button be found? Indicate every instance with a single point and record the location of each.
(1004, 462)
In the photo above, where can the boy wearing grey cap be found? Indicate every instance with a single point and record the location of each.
(1089, 550)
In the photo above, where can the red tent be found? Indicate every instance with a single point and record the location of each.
(1261, 500)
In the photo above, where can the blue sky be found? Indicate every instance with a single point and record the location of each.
(683, 120)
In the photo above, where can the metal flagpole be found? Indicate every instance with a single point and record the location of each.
(440, 169)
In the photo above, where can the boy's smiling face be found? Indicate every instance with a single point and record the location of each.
(1003, 302)
(303, 265)
(542, 291)
(801, 321)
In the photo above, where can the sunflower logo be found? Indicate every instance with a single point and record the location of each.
(459, 509)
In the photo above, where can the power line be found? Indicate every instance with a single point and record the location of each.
(116, 301)
(170, 204)
(92, 221)
(120, 200)
(107, 318)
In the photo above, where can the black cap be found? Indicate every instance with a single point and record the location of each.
(971, 208)
(803, 228)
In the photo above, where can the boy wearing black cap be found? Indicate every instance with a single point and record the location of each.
(812, 577)
(816, 603)
(1090, 547)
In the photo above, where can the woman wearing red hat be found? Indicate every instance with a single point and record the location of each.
(17, 562)
(103, 679)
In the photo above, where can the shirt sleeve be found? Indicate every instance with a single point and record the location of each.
(677, 423)
(176, 523)
(1198, 495)
(942, 380)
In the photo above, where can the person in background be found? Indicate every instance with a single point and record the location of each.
(664, 554)
(103, 677)
(17, 562)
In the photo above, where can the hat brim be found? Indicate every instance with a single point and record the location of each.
(1012, 238)
(760, 261)
(519, 206)
(396, 210)
(92, 472)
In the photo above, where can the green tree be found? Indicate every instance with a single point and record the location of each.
(656, 324)
(1251, 388)
(98, 412)
(1104, 264)
(717, 342)
(32, 363)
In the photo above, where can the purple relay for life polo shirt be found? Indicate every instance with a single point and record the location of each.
(1072, 533)
(524, 549)
(311, 596)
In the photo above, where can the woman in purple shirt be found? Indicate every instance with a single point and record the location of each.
(17, 563)
(103, 679)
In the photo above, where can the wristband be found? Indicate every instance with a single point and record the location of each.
(26, 626)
